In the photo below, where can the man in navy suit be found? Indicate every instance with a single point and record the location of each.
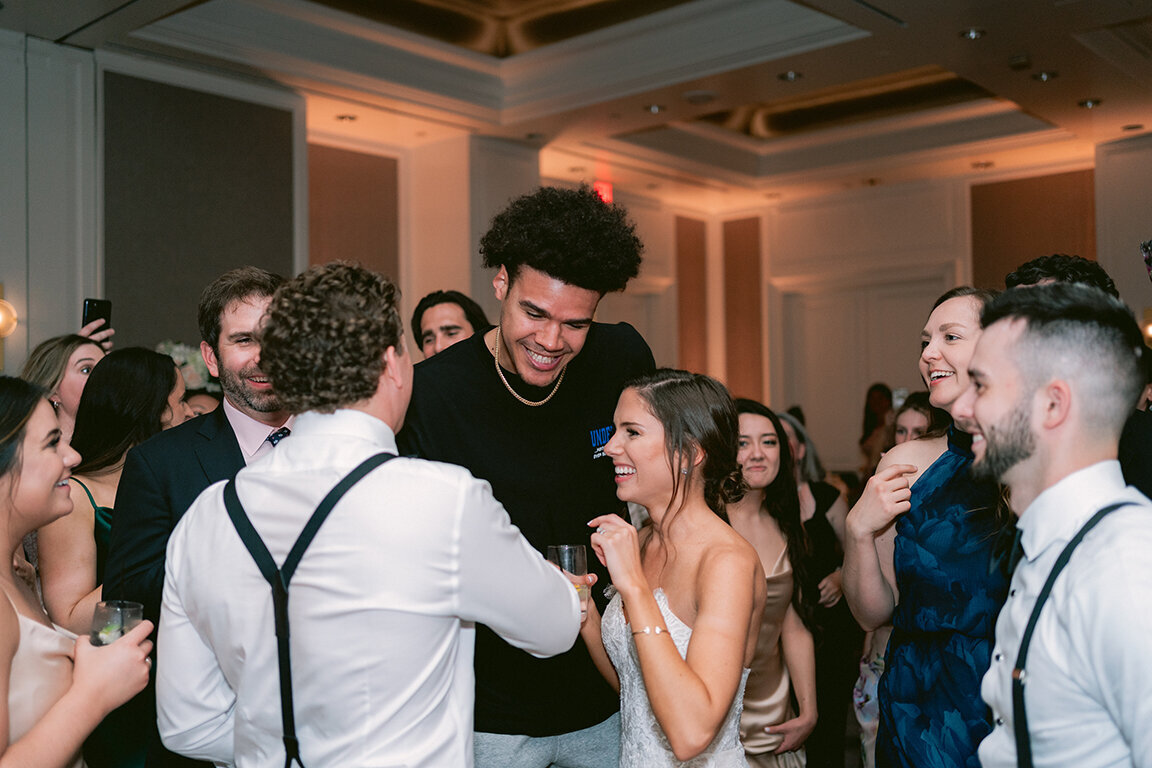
(165, 474)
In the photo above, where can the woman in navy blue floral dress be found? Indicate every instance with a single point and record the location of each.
(918, 553)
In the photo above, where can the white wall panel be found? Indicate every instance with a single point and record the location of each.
(435, 242)
(1124, 216)
(878, 227)
(498, 171)
(62, 229)
(13, 194)
(649, 302)
(851, 280)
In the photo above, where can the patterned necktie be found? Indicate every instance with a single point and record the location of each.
(278, 435)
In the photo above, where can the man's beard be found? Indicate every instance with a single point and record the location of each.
(236, 388)
(1006, 445)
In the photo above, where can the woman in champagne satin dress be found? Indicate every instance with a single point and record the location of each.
(769, 517)
(55, 688)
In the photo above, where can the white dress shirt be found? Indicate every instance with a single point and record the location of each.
(1088, 691)
(382, 607)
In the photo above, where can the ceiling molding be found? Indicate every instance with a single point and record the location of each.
(684, 43)
(282, 40)
(311, 43)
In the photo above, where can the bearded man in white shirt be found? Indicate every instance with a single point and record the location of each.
(1054, 376)
(384, 599)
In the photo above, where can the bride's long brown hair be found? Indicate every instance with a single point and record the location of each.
(698, 416)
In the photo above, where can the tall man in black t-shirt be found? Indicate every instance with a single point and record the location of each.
(528, 407)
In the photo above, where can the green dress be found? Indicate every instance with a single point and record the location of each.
(114, 743)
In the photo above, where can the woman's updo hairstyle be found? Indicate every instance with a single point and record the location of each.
(697, 414)
(18, 401)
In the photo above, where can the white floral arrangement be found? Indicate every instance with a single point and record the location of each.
(191, 364)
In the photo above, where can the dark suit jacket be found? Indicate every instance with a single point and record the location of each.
(1136, 451)
(162, 477)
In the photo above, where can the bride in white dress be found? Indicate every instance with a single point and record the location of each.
(680, 631)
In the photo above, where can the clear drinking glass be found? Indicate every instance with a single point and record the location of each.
(573, 560)
(112, 619)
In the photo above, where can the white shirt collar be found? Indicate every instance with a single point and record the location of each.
(345, 423)
(1061, 509)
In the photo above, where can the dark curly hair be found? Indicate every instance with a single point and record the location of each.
(326, 332)
(697, 414)
(569, 234)
(123, 404)
(782, 504)
(1062, 268)
(234, 285)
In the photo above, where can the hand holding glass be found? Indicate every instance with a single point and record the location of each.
(573, 560)
(113, 619)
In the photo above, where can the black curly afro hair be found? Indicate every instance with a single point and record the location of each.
(569, 234)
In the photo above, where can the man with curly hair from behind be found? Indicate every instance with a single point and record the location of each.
(528, 407)
(384, 600)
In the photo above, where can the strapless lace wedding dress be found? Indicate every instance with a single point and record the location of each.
(642, 740)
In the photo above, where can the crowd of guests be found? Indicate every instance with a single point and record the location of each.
(405, 508)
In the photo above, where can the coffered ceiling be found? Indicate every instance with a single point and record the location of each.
(712, 104)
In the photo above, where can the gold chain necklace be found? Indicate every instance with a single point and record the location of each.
(516, 394)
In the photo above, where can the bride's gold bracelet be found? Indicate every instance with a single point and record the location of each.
(650, 631)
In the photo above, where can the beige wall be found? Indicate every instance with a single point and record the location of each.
(691, 256)
(353, 204)
(1019, 220)
(743, 307)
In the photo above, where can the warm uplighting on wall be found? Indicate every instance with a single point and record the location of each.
(604, 189)
(8, 322)
(8, 319)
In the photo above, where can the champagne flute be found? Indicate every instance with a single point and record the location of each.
(112, 619)
(573, 560)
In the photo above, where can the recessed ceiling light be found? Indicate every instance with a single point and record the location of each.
(790, 76)
(982, 165)
(1091, 103)
(1045, 75)
(655, 109)
(972, 33)
(576, 169)
(699, 97)
(534, 136)
(653, 185)
(346, 118)
(1133, 127)
(773, 195)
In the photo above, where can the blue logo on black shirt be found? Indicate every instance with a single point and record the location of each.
(600, 438)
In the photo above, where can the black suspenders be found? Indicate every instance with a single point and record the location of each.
(1019, 717)
(278, 579)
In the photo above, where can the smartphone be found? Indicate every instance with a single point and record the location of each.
(96, 309)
